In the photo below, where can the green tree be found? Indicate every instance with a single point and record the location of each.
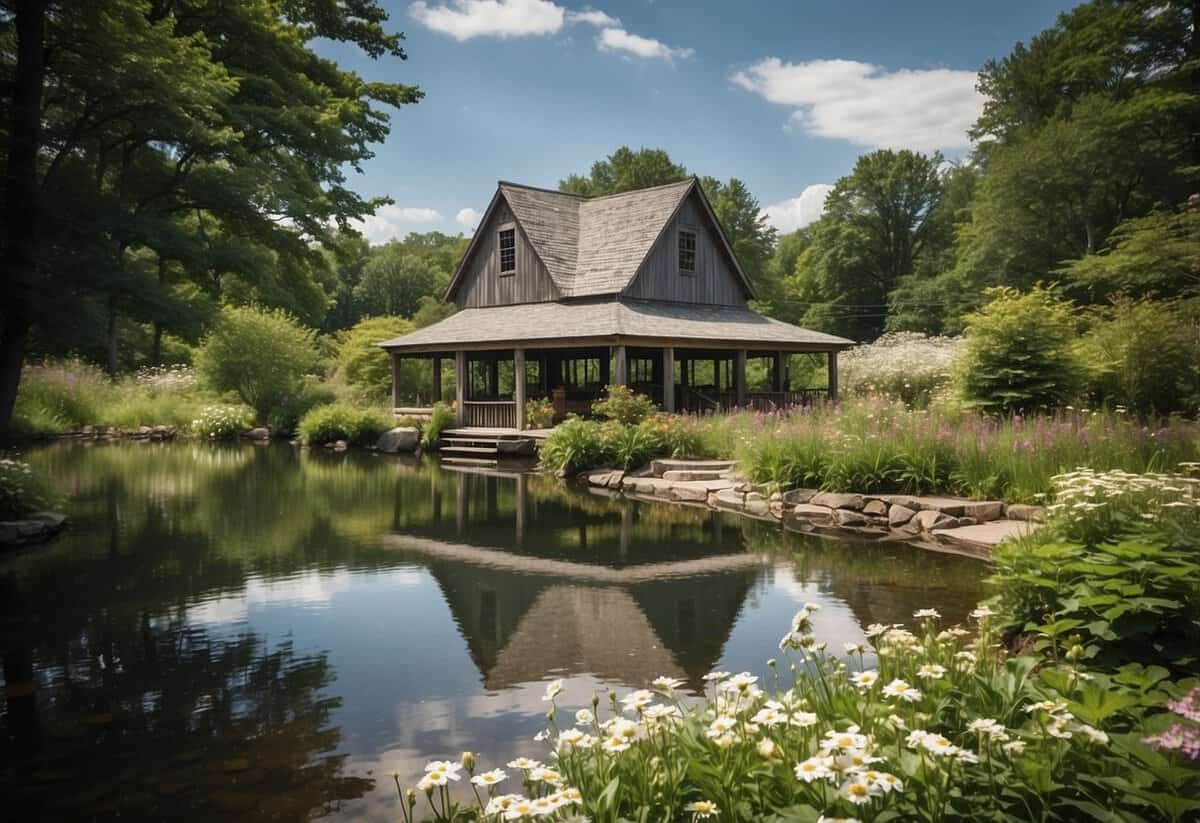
(262, 355)
(1020, 352)
(1158, 254)
(368, 368)
(626, 170)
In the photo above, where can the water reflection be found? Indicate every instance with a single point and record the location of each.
(258, 632)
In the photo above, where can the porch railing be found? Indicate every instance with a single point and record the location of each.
(702, 402)
(491, 414)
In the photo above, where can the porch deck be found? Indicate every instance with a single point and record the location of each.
(470, 432)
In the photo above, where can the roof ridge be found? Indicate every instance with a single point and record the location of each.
(541, 188)
(687, 180)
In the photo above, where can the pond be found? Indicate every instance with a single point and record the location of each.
(259, 632)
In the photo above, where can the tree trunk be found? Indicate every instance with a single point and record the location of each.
(20, 205)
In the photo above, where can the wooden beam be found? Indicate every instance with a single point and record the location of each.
(460, 387)
(833, 376)
(519, 386)
(668, 384)
(779, 372)
(739, 376)
(395, 381)
(437, 379)
(622, 376)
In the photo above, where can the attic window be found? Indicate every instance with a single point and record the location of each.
(687, 251)
(508, 251)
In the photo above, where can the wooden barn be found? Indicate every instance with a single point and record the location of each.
(560, 295)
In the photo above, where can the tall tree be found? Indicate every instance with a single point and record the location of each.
(625, 170)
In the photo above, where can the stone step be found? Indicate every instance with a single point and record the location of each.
(663, 465)
(470, 449)
(687, 475)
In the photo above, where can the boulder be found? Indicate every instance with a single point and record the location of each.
(596, 478)
(1024, 512)
(983, 510)
(340, 446)
(834, 500)
(875, 507)
(757, 505)
(615, 479)
(689, 492)
(930, 519)
(399, 439)
(258, 433)
(663, 465)
(684, 475)
(899, 515)
(728, 499)
(796, 496)
(808, 511)
(849, 518)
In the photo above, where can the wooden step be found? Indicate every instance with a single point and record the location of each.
(465, 441)
(470, 449)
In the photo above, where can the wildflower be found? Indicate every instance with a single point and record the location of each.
(502, 803)
(520, 808)
(490, 778)
(570, 737)
(864, 680)
(815, 768)
(889, 783)
(702, 809)
(931, 671)
(895, 720)
(524, 764)
(824, 819)
(658, 713)
(1093, 734)
(468, 760)
(637, 700)
(982, 612)
(901, 689)
(584, 717)
(849, 739)
(857, 791)
(615, 745)
(767, 749)
(722, 725)
(854, 648)
(927, 614)
(544, 775)
(769, 717)
(1014, 748)
(716, 676)
(667, 684)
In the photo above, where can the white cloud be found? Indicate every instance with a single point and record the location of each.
(392, 221)
(467, 218)
(464, 19)
(614, 39)
(593, 17)
(921, 109)
(797, 212)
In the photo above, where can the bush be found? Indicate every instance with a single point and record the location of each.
(60, 396)
(442, 418)
(262, 355)
(1144, 355)
(622, 404)
(906, 366)
(338, 421)
(285, 417)
(539, 414)
(1114, 576)
(1019, 353)
(576, 445)
(681, 436)
(21, 491)
(367, 367)
(221, 422)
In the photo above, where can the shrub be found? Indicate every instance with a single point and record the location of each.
(338, 421)
(367, 367)
(63, 395)
(262, 355)
(622, 404)
(630, 446)
(442, 418)
(221, 422)
(576, 445)
(1144, 355)
(907, 366)
(21, 491)
(1114, 576)
(285, 417)
(681, 435)
(539, 414)
(1019, 353)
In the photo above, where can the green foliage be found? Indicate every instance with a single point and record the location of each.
(539, 413)
(339, 421)
(626, 170)
(576, 445)
(262, 355)
(285, 417)
(396, 276)
(624, 405)
(681, 436)
(1158, 254)
(1020, 353)
(442, 418)
(1144, 356)
(906, 366)
(221, 422)
(21, 490)
(745, 225)
(364, 365)
(1114, 576)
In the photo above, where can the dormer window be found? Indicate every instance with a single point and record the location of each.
(508, 251)
(687, 251)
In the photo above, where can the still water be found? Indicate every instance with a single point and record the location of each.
(253, 633)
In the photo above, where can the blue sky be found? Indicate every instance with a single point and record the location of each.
(784, 95)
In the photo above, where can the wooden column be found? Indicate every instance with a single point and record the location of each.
(668, 379)
(460, 387)
(833, 376)
(739, 376)
(622, 369)
(436, 397)
(395, 381)
(519, 386)
(779, 373)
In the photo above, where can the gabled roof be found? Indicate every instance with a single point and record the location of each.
(595, 245)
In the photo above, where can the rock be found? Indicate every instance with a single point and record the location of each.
(796, 496)
(875, 507)
(929, 519)
(966, 521)
(1024, 512)
(899, 515)
(905, 500)
(340, 446)
(683, 475)
(689, 493)
(728, 499)
(743, 487)
(593, 478)
(984, 510)
(809, 511)
(776, 497)
(615, 479)
(516, 447)
(849, 518)
(399, 439)
(838, 501)
(663, 465)
(776, 508)
(757, 505)
(144, 431)
(258, 433)
(34, 528)
(985, 535)
(53, 520)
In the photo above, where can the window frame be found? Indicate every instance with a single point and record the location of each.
(500, 230)
(679, 233)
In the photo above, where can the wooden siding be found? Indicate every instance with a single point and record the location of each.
(714, 282)
(482, 285)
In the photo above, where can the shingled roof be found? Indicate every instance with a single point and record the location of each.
(595, 245)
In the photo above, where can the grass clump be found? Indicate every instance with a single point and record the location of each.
(440, 419)
(338, 421)
(222, 422)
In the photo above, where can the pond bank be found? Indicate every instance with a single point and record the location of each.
(971, 527)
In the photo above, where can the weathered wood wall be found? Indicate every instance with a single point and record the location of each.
(714, 282)
(482, 283)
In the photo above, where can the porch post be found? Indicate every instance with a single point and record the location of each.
(436, 397)
(519, 386)
(622, 375)
(395, 381)
(739, 376)
(779, 375)
(460, 387)
(833, 376)
(668, 384)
